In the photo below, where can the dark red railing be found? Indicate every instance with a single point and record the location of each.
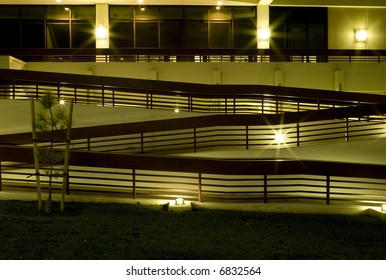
(196, 55)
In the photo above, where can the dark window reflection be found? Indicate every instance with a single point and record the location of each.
(146, 34)
(220, 35)
(32, 34)
(171, 34)
(196, 34)
(58, 35)
(83, 35)
(122, 35)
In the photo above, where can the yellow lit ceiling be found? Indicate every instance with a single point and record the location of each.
(321, 3)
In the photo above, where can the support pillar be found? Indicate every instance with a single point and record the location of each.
(102, 25)
(263, 32)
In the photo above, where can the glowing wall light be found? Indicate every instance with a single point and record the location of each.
(264, 34)
(384, 207)
(101, 32)
(360, 35)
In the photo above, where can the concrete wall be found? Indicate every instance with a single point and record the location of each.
(343, 21)
(361, 77)
(9, 62)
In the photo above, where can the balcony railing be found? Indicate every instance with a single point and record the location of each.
(196, 55)
(101, 165)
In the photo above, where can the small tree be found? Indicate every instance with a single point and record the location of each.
(53, 122)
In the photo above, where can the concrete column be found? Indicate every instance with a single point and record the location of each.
(263, 33)
(102, 25)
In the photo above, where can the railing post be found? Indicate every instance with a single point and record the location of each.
(328, 189)
(265, 189)
(247, 137)
(142, 144)
(262, 106)
(103, 95)
(134, 185)
(14, 90)
(277, 104)
(58, 90)
(195, 139)
(298, 134)
(347, 130)
(1, 180)
(199, 187)
(37, 92)
(190, 103)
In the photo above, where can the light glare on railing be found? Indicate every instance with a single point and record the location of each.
(279, 137)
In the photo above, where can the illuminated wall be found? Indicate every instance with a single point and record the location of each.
(342, 23)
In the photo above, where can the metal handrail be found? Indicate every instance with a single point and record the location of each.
(195, 55)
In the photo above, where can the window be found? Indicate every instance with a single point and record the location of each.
(220, 35)
(146, 34)
(196, 34)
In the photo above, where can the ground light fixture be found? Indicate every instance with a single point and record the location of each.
(180, 201)
(384, 208)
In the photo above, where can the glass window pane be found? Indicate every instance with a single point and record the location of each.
(317, 36)
(171, 34)
(83, 35)
(146, 34)
(150, 13)
(11, 31)
(32, 34)
(122, 35)
(224, 13)
(196, 34)
(122, 12)
(244, 13)
(57, 12)
(33, 12)
(199, 13)
(171, 12)
(83, 12)
(298, 36)
(58, 35)
(11, 12)
(245, 34)
(220, 35)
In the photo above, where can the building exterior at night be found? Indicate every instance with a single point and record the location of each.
(284, 58)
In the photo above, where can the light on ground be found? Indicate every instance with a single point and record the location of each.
(279, 138)
(180, 201)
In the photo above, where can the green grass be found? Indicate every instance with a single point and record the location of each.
(123, 231)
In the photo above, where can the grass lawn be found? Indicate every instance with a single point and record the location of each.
(124, 231)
